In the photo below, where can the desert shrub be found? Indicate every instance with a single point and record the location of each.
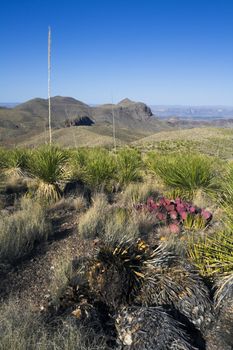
(176, 213)
(213, 254)
(187, 173)
(20, 230)
(49, 165)
(128, 166)
(21, 328)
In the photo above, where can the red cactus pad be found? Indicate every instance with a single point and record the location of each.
(149, 201)
(192, 209)
(162, 201)
(173, 214)
(178, 201)
(206, 214)
(183, 215)
(174, 228)
(161, 216)
(167, 201)
(170, 207)
(180, 207)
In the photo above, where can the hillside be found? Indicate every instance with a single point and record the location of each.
(208, 140)
(76, 123)
(29, 121)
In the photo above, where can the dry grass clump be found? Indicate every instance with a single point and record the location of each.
(20, 230)
(21, 329)
(92, 221)
(79, 204)
(138, 193)
(109, 222)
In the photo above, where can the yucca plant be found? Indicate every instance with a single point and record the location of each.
(140, 275)
(141, 328)
(49, 166)
(186, 172)
(119, 264)
(129, 165)
(213, 255)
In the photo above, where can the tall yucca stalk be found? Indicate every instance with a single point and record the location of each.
(49, 83)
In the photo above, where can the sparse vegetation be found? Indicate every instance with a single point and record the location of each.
(115, 225)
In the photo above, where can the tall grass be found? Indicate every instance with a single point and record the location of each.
(20, 230)
(187, 173)
(92, 222)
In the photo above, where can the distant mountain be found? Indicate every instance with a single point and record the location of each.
(28, 122)
(194, 112)
(31, 118)
(8, 104)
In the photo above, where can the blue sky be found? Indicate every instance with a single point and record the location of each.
(157, 51)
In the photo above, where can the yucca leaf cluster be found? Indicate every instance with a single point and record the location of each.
(186, 172)
(49, 166)
(213, 254)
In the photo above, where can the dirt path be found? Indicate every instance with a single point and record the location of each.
(31, 280)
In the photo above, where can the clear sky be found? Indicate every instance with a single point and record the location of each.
(157, 51)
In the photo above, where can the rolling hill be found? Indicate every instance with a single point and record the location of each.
(75, 123)
(28, 122)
